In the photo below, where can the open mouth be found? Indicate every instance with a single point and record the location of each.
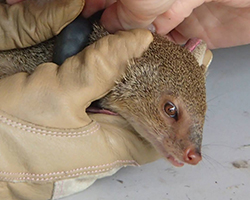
(96, 108)
(100, 111)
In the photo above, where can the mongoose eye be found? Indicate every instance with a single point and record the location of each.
(171, 110)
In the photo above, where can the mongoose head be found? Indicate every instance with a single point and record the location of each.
(163, 96)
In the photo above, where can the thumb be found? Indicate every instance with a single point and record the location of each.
(92, 73)
(30, 22)
(131, 14)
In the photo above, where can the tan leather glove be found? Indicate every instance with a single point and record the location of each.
(49, 146)
(31, 22)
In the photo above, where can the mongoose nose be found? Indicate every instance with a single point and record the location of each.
(191, 156)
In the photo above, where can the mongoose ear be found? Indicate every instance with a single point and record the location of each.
(199, 50)
(208, 57)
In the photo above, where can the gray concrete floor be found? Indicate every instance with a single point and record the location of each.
(224, 173)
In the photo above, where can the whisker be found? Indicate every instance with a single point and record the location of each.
(212, 161)
(215, 97)
(209, 164)
(217, 145)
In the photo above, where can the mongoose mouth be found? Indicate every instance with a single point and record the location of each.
(100, 111)
(95, 108)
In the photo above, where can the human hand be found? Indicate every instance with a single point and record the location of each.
(220, 23)
(50, 145)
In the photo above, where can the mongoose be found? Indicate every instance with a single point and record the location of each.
(162, 94)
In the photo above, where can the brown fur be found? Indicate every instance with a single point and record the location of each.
(25, 60)
(165, 72)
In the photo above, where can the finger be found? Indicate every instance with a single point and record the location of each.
(130, 14)
(219, 26)
(175, 15)
(177, 37)
(31, 22)
(92, 6)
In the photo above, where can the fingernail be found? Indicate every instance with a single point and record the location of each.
(151, 27)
